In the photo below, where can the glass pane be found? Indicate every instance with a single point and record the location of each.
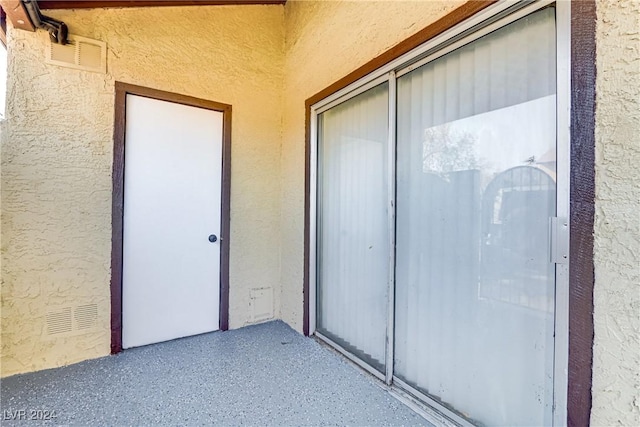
(475, 191)
(353, 254)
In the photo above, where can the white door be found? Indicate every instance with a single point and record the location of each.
(172, 197)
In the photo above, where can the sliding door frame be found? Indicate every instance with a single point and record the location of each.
(315, 112)
(477, 20)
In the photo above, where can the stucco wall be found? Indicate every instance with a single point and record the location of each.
(616, 361)
(325, 40)
(57, 158)
(56, 161)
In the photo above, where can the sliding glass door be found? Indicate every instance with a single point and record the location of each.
(353, 238)
(436, 193)
(476, 172)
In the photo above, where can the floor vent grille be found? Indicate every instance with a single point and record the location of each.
(71, 320)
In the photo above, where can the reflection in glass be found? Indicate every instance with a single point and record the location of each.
(476, 173)
(353, 240)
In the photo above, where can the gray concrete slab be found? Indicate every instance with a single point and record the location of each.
(260, 375)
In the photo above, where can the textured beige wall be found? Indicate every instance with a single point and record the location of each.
(57, 157)
(325, 40)
(56, 186)
(616, 364)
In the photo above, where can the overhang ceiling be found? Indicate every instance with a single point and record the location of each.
(14, 10)
(89, 4)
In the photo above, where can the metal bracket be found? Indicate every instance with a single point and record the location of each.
(57, 30)
(559, 239)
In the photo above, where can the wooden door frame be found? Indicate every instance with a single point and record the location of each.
(117, 207)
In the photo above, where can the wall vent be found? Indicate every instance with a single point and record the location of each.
(80, 53)
(86, 316)
(71, 320)
(59, 322)
(261, 304)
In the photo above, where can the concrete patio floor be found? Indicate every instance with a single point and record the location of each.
(259, 375)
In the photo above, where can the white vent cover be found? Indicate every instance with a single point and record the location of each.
(80, 53)
(59, 322)
(86, 316)
(261, 304)
(71, 320)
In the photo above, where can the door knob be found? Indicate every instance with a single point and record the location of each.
(213, 238)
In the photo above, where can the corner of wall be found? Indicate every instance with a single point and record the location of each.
(325, 41)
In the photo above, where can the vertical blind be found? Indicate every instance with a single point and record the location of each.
(353, 256)
(475, 190)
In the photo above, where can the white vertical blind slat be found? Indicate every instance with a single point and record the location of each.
(353, 234)
(475, 190)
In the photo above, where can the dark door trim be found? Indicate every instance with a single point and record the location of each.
(117, 207)
(582, 183)
(581, 210)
